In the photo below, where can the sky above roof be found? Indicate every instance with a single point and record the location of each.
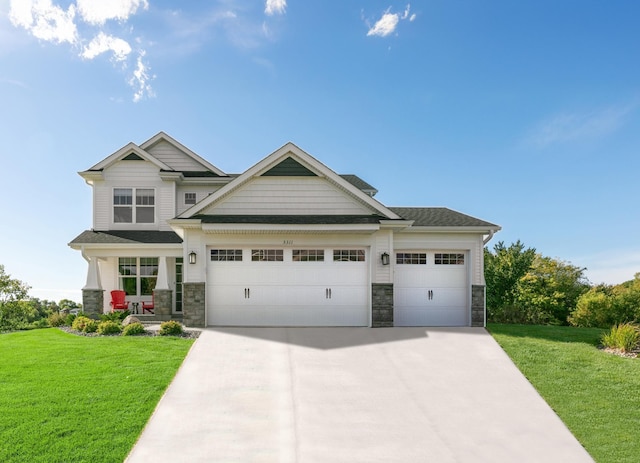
(525, 114)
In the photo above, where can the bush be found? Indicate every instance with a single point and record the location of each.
(68, 320)
(133, 329)
(625, 337)
(171, 328)
(117, 316)
(56, 319)
(593, 310)
(80, 322)
(109, 327)
(91, 326)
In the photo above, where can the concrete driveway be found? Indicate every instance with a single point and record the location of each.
(352, 395)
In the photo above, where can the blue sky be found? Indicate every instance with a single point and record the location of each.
(525, 114)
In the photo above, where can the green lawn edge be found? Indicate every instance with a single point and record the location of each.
(68, 398)
(596, 394)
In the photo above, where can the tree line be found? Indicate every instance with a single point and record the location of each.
(19, 311)
(526, 287)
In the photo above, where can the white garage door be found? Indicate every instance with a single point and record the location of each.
(288, 287)
(431, 289)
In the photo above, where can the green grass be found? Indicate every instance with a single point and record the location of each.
(67, 398)
(596, 394)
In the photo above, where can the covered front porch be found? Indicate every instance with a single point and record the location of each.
(141, 272)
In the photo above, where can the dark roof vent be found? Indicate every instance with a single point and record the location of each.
(132, 157)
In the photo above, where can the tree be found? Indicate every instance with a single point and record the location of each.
(503, 270)
(549, 291)
(604, 306)
(14, 312)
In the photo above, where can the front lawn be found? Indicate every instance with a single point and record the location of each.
(596, 394)
(67, 398)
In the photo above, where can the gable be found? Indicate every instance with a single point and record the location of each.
(289, 168)
(306, 195)
(318, 190)
(175, 158)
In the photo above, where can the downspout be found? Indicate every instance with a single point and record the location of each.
(488, 238)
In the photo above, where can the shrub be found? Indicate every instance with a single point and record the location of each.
(117, 316)
(56, 319)
(109, 327)
(91, 326)
(80, 322)
(133, 329)
(593, 310)
(171, 328)
(68, 320)
(625, 337)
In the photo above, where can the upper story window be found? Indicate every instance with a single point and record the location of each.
(124, 209)
(189, 198)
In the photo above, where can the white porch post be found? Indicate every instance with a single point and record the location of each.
(162, 282)
(93, 274)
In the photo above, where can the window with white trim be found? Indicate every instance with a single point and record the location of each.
(449, 258)
(348, 255)
(189, 198)
(308, 255)
(124, 209)
(267, 255)
(226, 255)
(138, 275)
(411, 258)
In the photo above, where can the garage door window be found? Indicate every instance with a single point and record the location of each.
(267, 255)
(411, 258)
(449, 259)
(220, 255)
(308, 255)
(348, 255)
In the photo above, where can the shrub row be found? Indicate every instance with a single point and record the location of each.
(113, 326)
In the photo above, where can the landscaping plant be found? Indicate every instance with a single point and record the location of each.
(109, 327)
(625, 336)
(170, 328)
(133, 329)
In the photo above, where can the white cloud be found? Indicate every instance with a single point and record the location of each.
(388, 23)
(579, 126)
(140, 80)
(272, 7)
(103, 43)
(44, 20)
(98, 12)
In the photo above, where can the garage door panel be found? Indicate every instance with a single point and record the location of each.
(301, 293)
(429, 294)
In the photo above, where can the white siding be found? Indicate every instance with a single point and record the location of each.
(174, 158)
(201, 191)
(382, 242)
(433, 241)
(133, 174)
(289, 196)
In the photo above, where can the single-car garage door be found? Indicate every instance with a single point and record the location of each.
(431, 289)
(288, 287)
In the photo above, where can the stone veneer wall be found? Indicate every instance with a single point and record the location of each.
(92, 302)
(162, 303)
(381, 305)
(193, 305)
(477, 305)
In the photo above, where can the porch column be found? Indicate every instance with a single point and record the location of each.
(162, 282)
(92, 293)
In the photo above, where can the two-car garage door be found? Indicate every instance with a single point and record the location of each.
(288, 287)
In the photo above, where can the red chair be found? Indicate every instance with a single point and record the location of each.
(147, 306)
(117, 301)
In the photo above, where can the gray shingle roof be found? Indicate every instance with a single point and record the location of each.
(127, 237)
(358, 182)
(439, 217)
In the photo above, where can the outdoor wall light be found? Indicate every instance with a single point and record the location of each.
(192, 257)
(385, 258)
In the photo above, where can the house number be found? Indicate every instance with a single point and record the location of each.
(287, 242)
